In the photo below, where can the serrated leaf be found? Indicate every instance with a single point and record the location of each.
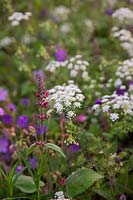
(30, 149)
(80, 181)
(26, 184)
(55, 148)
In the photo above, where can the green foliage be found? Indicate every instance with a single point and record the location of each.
(55, 148)
(80, 181)
(26, 184)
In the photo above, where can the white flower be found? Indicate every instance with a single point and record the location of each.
(65, 98)
(114, 116)
(73, 73)
(16, 17)
(123, 15)
(75, 65)
(105, 108)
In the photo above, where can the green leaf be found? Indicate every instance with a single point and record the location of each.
(80, 181)
(26, 184)
(55, 148)
(30, 149)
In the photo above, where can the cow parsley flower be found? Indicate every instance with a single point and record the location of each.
(116, 105)
(65, 98)
(17, 17)
(125, 38)
(60, 195)
(123, 15)
(76, 65)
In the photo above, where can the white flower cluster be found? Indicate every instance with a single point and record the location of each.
(61, 13)
(125, 38)
(123, 15)
(125, 70)
(115, 106)
(65, 98)
(60, 195)
(75, 64)
(6, 41)
(28, 39)
(65, 28)
(17, 17)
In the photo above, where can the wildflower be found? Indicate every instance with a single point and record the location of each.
(81, 118)
(1, 111)
(114, 116)
(17, 17)
(109, 11)
(37, 73)
(76, 65)
(19, 169)
(63, 181)
(11, 107)
(40, 130)
(7, 119)
(122, 197)
(25, 101)
(3, 94)
(74, 147)
(60, 54)
(22, 121)
(98, 101)
(4, 145)
(65, 98)
(123, 15)
(33, 162)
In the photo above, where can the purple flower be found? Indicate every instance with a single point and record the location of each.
(4, 145)
(38, 72)
(109, 11)
(22, 121)
(11, 107)
(60, 54)
(3, 94)
(120, 91)
(33, 162)
(2, 111)
(19, 169)
(130, 82)
(74, 147)
(122, 197)
(25, 102)
(98, 101)
(38, 129)
(7, 119)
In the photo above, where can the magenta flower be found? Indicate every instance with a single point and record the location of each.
(3, 94)
(22, 121)
(60, 54)
(81, 118)
(7, 119)
(2, 111)
(122, 197)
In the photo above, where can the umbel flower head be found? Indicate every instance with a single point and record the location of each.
(115, 105)
(65, 98)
